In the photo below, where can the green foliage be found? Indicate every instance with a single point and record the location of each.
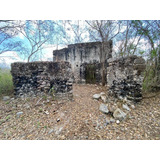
(44, 97)
(8, 117)
(150, 79)
(141, 52)
(52, 92)
(154, 53)
(40, 110)
(6, 84)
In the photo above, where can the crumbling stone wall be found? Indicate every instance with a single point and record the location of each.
(81, 54)
(125, 77)
(36, 78)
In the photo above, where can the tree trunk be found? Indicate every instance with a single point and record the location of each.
(103, 74)
(102, 60)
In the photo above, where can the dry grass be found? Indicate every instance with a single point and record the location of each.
(6, 84)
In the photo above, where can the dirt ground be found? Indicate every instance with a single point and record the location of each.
(80, 119)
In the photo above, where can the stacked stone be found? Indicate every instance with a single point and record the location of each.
(125, 77)
(36, 78)
(82, 55)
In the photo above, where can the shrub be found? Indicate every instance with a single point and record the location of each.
(6, 84)
(150, 82)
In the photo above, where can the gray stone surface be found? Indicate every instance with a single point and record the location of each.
(119, 114)
(132, 106)
(125, 77)
(39, 78)
(112, 120)
(107, 121)
(82, 56)
(125, 106)
(103, 108)
(112, 108)
(6, 98)
(19, 114)
(96, 96)
(104, 98)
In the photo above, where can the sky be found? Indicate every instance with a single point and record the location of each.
(9, 57)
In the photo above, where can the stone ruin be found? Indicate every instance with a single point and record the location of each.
(80, 63)
(36, 78)
(84, 59)
(125, 77)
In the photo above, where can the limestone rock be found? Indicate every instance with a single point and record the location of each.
(119, 114)
(103, 108)
(104, 99)
(96, 96)
(132, 106)
(102, 93)
(125, 106)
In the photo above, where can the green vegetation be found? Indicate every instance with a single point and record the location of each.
(6, 84)
(52, 93)
(150, 79)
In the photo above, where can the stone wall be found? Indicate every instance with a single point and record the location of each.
(125, 77)
(36, 78)
(81, 54)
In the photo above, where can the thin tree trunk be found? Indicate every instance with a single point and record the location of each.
(103, 56)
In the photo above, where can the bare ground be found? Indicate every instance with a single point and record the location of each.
(77, 119)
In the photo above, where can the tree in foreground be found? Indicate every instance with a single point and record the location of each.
(104, 31)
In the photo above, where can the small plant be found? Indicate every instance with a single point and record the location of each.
(38, 124)
(40, 110)
(7, 102)
(45, 127)
(52, 92)
(2, 121)
(22, 118)
(45, 97)
(8, 117)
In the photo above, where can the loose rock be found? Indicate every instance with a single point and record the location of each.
(46, 112)
(107, 122)
(6, 98)
(103, 108)
(104, 99)
(119, 114)
(50, 131)
(19, 113)
(132, 106)
(117, 121)
(125, 106)
(102, 93)
(112, 108)
(112, 120)
(96, 96)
